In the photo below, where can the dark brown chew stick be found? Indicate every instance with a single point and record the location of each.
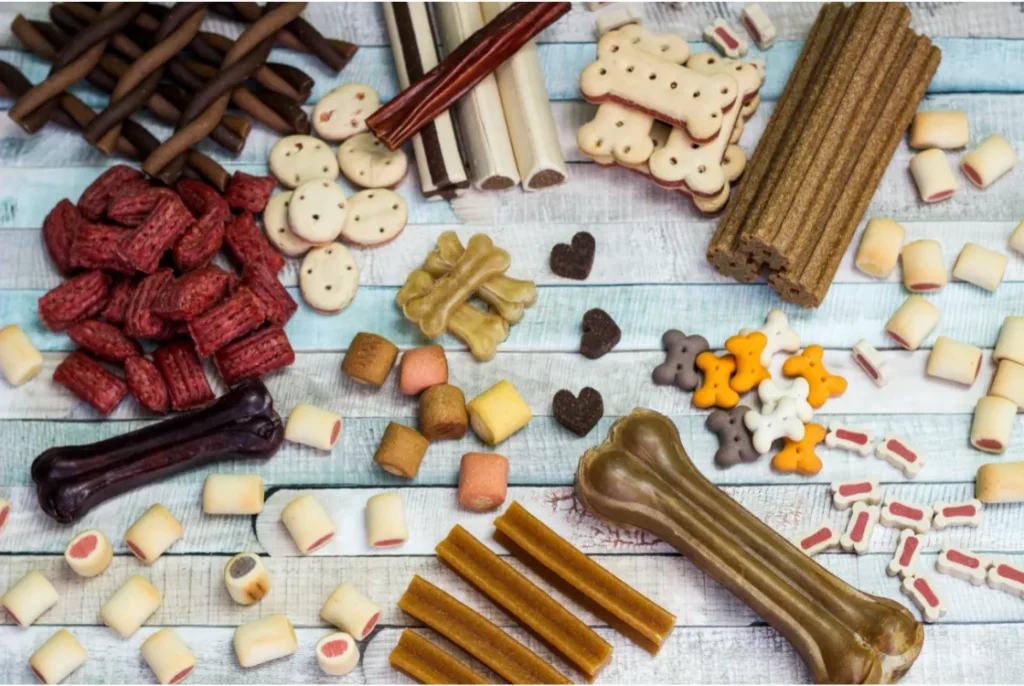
(284, 79)
(300, 35)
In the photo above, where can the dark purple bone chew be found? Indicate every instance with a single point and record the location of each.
(680, 365)
(734, 440)
(71, 480)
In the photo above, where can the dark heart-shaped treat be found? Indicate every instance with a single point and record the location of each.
(680, 366)
(734, 441)
(578, 414)
(600, 334)
(574, 261)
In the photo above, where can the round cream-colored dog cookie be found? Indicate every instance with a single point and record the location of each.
(329, 278)
(342, 113)
(375, 216)
(368, 163)
(294, 160)
(317, 211)
(279, 233)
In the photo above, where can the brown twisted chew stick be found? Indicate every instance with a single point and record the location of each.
(642, 477)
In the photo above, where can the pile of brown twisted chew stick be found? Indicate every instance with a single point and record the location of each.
(152, 57)
(849, 99)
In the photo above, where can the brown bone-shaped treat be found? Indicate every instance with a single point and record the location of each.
(642, 477)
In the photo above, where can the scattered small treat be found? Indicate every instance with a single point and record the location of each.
(401, 450)
(483, 481)
(58, 657)
(943, 130)
(294, 160)
(20, 361)
(168, 656)
(91, 382)
(578, 414)
(809, 365)
(278, 304)
(871, 361)
(145, 247)
(351, 611)
(117, 304)
(963, 564)
(1010, 345)
(1000, 482)
(77, 298)
(924, 269)
(912, 322)
(341, 113)
(994, 418)
(98, 246)
(202, 240)
(249, 246)
(264, 640)
(202, 198)
(497, 413)
(620, 135)
(600, 334)
(759, 26)
(933, 175)
(615, 19)
(1005, 577)
(680, 365)
(726, 39)
(140, 321)
(443, 413)
(192, 294)
(799, 455)
(369, 359)
(256, 355)
(130, 606)
(313, 426)
(317, 211)
(734, 440)
(908, 550)
(980, 266)
(925, 596)
(237, 316)
(27, 600)
(246, 578)
(954, 361)
(780, 336)
(770, 393)
(367, 163)
(385, 521)
(153, 533)
(816, 540)
(1017, 238)
(279, 232)
(1009, 382)
(901, 455)
(880, 248)
(768, 427)
(59, 229)
(374, 217)
(850, 439)
(575, 259)
(233, 494)
(989, 161)
(337, 654)
(183, 373)
(89, 553)
(967, 513)
(900, 515)
(5, 513)
(134, 206)
(422, 368)
(103, 340)
(308, 523)
(329, 278)
(747, 350)
(857, 537)
(716, 391)
(846, 493)
(249, 193)
(93, 201)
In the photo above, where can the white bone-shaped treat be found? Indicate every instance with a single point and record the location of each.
(780, 337)
(815, 540)
(857, 537)
(850, 439)
(768, 427)
(618, 132)
(872, 362)
(908, 550)
(963, 564)
(846, 493)
(966, 513)
(669, 47)
(724, 37)
(921, 590)
(900, 515)
(900, 454)
(1006, 577)
(771, 392)
(759, 25)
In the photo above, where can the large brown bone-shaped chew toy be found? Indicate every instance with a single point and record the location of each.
(641, 477)
(71, 480)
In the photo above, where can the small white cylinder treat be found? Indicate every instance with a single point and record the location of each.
(233, 494)
(264, 640)
(1017, 238)
(5, 513)
(913, 322)
(351, 611)
(933, 175)
(1009, 382)
(993, 423)
(19, 359)
(944, 130)
(924, 269)
(989, 161)
(153, 533)
(312, 426)
(880, 248)
(27, 600)
(954, 361)
(385, 521)
(57, 658)
(982, 267)
(168, 656)
(246, 578)
(308, 523)
(1010, 345)
(89, 553)
(337, 654)
(130, 606)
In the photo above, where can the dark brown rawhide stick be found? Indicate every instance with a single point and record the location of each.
(642, 477)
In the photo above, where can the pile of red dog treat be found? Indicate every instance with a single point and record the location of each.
(137, 258)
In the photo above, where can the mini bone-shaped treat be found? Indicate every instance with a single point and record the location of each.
(816, 540)
(1004, 576)
(781, 338)
(896, 514)
(724, 37)
(967, 513)
(669, 47)
(747, 352)
(963, 564)
(617, 132)
(641, 477)
(809, 365)
(734, 439)
(850, 439)
(846, 493)
(896, 451)
(857, 537)
(921, 590)
(799, 456)
(871, 361)
(680, 365)
(759, 26)
(771, 392)
(768, 427)
(904, 560)
(715, 390)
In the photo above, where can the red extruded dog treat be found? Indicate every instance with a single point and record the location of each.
(59, 229)
(78, 298)
(139, 319)
(261, 353)
(103, 340)
(98, 246)
(132, 207)
(146, 384)
(229, 321)
(249, 246)
(128, 189)
(202, 198)
(117, 305)
(249, 193)
(200, 242)
(90, 381)
(192, 294)
(93, 202)
(186, 381)
(278, 304)
(158, 234)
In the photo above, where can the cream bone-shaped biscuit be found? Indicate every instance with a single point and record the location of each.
(904, 560)
(857, 537)
(1006, 577)
(816, 540)
(724, 37)
(963, 564)
(966, 513)
(900, 454)
(921, 590)
(846, 493)
(619, 133)
(896, 514)
(781, 422)
(781, 337)
(770, 392)
(851, 439)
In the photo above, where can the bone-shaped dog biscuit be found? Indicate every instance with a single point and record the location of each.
(781, 422)
(669, 47)
(770, 393)
(617, 132)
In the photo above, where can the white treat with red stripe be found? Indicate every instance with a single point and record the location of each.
(89, 553)
(900, 454)
(385, 521)
(5, 513)
(337, 654)
(759, 26)
(771, 393)
(857, 536)
(966, 513)
(989, 161)
(994, 419)
(846, 493)
(841, 437)
(1006, 577)
(913, 322)
(926, 597)
(872, 362)
(724, 37)
(27, 600)
(817, 539)
(899, 515)
(308, 522)
(924, 267)
(904, 560)
(933, 175)
(153, 533)
(351, 611)
(963, 564)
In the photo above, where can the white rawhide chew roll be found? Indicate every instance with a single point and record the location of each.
(924, 269)
(1000, 482)
(312, 426)
(1010, 345)
(944, 130)
(168, 656)
(1009, 382)
(531, 125)
(337, 654)
(27, 600)
(385, 521)
(89, 553)
(954, 361)
(19, 359)
(264, 640)
(989, 161)
(351, 611)
(130, 606)
(308, 523)
(153, 533)
(933, 175)
(233, 494)
(246, 578)
(994, 418)
(912, 322)
(58, 657)
(880, 248)
(982, 267)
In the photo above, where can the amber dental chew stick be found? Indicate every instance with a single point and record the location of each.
(603, 593)
(534, 609)
(419, 659)
(509, 658)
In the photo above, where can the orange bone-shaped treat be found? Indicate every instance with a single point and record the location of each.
(799, 456)
(716, 389)
(747, 351)
(808, 364)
